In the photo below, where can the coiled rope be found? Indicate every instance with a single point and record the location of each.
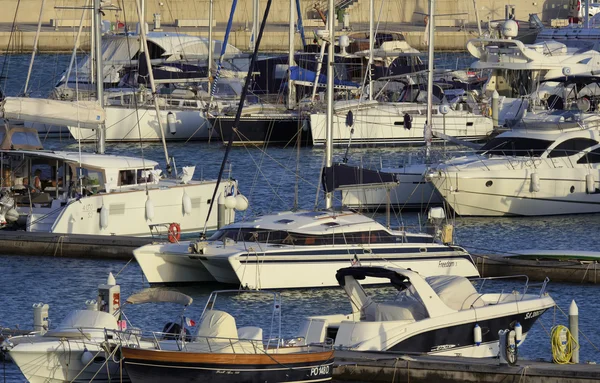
(563, 344)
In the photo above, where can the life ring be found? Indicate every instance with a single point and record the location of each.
(174, 232)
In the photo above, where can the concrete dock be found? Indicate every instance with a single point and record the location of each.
(355, 366)
(69, 245)
(537, 270)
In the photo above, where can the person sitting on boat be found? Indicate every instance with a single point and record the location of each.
(37, 181)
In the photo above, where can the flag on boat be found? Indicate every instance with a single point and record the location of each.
(355, 261)
(190, 322)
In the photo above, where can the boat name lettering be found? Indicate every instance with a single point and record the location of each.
(227, 372)
(443, 347)
(447, 264)
(533, 314)
(320, 370)
(89, 209)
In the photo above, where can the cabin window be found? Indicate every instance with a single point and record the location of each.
(91, 180)
(515, 147)
(127, 177)
(145, 176)
(571, 147)
(25, 138)
(592, 157)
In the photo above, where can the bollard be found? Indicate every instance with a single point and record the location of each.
(574, 329)
(495, 107)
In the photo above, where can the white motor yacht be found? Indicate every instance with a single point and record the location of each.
(87, 193)
(441, 315)
(297, 250)
(548, 166)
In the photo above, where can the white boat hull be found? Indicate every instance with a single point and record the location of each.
(274, 272)
(413, 192)
(382, 124)
(121, 125)
(127, 213)
(511, 193)
(170, 265)
(61, 361)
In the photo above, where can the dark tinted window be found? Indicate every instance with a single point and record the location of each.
(572, 146)
(592, 157)
(515, 146)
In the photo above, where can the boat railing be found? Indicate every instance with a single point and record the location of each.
(513, 291)
(185, 342)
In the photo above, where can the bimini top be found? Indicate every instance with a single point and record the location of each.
(19, 137)
(158, 296)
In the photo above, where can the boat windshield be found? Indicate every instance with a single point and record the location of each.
(289, 238)
(515, 147)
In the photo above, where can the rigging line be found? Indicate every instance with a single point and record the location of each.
(6, 53)
(35, 47)
(239, 111)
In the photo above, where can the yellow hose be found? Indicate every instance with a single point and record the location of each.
(562, 349)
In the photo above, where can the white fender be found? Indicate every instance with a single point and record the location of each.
(535, 182)
(12, 215)
(241, 202)
(230, 202)
(103, 216)
(172, 123)
(86, 357)
(187, 203)
(518, 332)
(477, 334)
(149, 209)
(590, 184)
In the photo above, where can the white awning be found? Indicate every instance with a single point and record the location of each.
(156, 296)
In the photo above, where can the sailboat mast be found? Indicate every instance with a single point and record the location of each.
(371, 45)
(291, 94)
(428, 135)
(97, 32)
(210, 38)
(329, 128)
(144, 43)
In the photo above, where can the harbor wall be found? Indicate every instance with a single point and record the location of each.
(386, 12)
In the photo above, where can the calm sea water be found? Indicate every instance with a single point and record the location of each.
(267, 178)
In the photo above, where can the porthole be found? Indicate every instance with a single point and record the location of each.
(572, 189)
(489, 183)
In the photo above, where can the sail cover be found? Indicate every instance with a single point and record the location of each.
(344, 177)
(86, 114)
(157, 296)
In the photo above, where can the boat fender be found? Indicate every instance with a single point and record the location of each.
(12, 215)
(241, 202)
(230, 202)
(86, 357)
(187, 204)
(149, 209)
(174, 232)
(172, 123)
(590, 184)
(535, 183)
(477, 334)
(103, 216)
(518, 333)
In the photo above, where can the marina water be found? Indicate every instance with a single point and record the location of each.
(267, 177)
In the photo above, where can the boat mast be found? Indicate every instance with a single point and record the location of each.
(291, 93)
(144, 43)
(35, 45)
(329, 128)
(210, 39)
(371, 45)
(100, 132)
(428, 134)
